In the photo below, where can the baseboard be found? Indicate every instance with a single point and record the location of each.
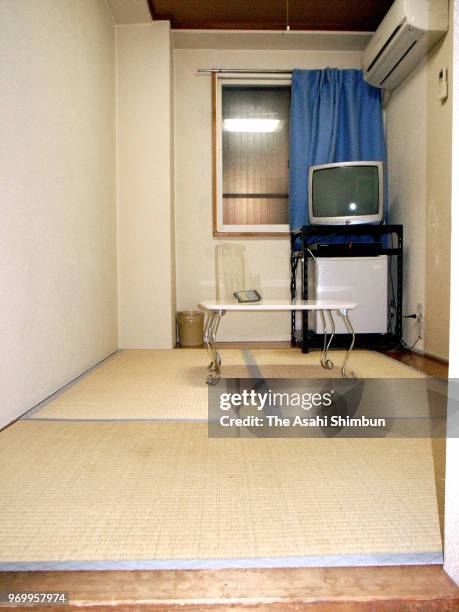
(430, 355)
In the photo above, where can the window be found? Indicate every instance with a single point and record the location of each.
(251, 128)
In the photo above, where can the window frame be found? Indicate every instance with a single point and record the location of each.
(219, 228)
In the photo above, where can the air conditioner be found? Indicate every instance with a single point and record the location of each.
(403, 38)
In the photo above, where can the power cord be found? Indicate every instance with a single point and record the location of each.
(392, 304)
(402, 345)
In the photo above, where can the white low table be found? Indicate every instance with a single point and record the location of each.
(216, 309)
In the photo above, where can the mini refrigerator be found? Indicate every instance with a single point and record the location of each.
(350, 279)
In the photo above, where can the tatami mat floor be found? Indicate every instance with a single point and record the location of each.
(86, 492)
(169, 384)
(143, 385)
(156, 493)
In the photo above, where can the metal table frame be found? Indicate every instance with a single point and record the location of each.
(214, 317)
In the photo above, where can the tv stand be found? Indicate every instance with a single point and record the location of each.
(363, 240)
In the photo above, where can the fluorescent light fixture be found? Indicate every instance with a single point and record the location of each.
(251, 125)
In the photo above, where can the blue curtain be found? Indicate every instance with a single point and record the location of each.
(335, 116)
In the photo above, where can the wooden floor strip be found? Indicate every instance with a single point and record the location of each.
(362, 588)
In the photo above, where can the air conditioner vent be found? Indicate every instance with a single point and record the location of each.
(386, 44)
(398, 63)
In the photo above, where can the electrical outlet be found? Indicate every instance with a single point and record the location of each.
(419, 320)
(419, 311)
(443, 84)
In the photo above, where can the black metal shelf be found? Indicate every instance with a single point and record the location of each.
(363, 229)
(303, 238)
(381, 251)
(374, 341)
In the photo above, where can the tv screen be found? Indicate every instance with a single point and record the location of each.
(346, 191)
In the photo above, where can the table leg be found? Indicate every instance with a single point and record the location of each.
(324, 349)
(328, 362)
(350, 329)
(210, 338)
(325, 362)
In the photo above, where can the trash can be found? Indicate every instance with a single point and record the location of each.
(190, 324)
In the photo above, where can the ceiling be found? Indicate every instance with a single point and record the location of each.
(342, 15)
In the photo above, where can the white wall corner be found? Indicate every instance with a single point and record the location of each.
(58, 232)
(145, 192)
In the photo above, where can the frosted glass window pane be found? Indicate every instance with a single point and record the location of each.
(255, 154)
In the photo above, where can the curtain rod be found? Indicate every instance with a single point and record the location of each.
(242, 71)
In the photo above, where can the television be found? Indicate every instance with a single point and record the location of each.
(346, 193)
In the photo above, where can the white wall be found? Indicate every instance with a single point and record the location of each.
(452, 445)
(58, 312)
(145, 192)
(406, 129)
(438, 230)
(419, 154)
(195, 245)
(130, 11)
